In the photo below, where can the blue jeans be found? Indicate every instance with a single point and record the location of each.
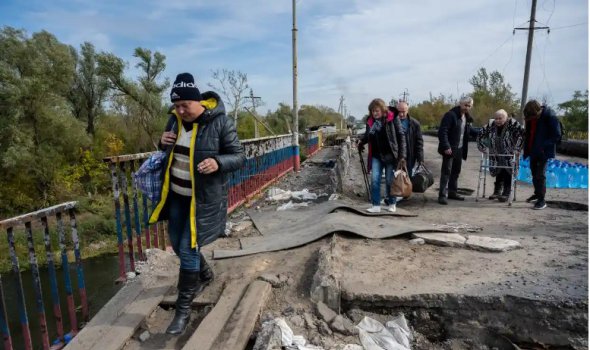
(179, 230)
(377, 167)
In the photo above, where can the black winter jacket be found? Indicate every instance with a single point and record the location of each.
(547, 135)
(415, 143)
(395, 136)
(449, 132)
(216, 138)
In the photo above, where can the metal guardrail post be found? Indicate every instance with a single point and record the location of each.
(22, 307)
(65, 265)
(127, 212)
(79, 269)
(4, 330)
(136, 212)
(116, 195)
(37, 286)
(53, 280)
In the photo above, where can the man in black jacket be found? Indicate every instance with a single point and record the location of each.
(453, 136)
(543, 132)
(202, 148)
(414, 140)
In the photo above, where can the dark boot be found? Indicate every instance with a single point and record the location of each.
(188, 284)
(206, 275)
(497, 190)
(505, 194)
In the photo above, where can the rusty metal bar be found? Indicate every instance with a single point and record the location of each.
(53, 280)
(136, 211)
(4, 328)
(79, 269)
(127, 157)
(116, 195)
(12, 222)
(37, 286)
(127, 211)
(65, 265)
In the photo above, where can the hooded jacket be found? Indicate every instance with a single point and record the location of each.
(214, 136)
(395, 137)
(547, 134)
(449, 132)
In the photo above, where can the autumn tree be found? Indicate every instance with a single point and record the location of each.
(142, 98)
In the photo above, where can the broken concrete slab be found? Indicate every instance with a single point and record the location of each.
(491, 244)
(442, 239)
(417, 241)
(325, 285)
(325, 313)
(343, 325)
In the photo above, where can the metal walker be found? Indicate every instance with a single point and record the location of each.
(484, 166)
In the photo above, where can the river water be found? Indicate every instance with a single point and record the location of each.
(99, 274)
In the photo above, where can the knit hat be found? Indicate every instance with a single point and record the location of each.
(184, 88)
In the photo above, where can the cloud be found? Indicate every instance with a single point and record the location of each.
(357, 48)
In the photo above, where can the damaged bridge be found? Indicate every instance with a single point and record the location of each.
(304, 266)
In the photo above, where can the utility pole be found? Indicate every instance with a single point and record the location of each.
(405, 95)
(295, 111)
(341, 109)
(529, 50)
(255, 100)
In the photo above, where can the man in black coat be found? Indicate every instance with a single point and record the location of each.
(543, 132)
(202, 148)
(453, 136)
(414, 140)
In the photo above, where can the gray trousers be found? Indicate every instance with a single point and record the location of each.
(449, 172)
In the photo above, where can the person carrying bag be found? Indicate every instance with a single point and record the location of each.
(402, 184)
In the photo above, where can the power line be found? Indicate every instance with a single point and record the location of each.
(570, 26)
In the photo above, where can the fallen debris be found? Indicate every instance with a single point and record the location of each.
(241, 226)
(442, 239)
(417, 241)
(491, 244)
(277, 334)
(458, 227)
(395, 335)
(291, 205)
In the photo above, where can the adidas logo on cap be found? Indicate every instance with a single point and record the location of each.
(183, 84)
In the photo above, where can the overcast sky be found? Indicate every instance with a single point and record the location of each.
(360, 49)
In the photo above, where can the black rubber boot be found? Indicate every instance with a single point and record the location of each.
(188, 285)
(505, 195)
(206, 275)
(497, 190)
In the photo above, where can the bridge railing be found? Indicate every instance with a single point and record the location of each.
(267, 160)
(29, 220)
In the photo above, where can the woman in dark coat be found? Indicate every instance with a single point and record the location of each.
(387, 146)
(202, 148)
